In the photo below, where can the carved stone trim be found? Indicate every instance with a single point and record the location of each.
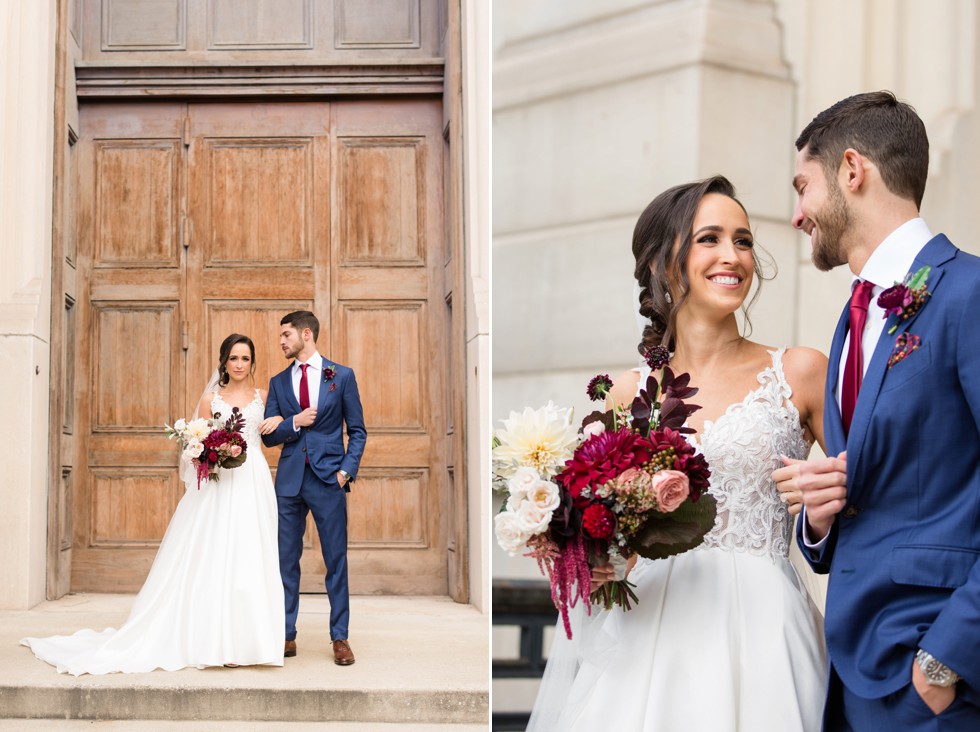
(115, 82)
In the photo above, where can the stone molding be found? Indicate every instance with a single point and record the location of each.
(742, 35)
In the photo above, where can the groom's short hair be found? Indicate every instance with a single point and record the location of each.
(302, 319)
(885, 130)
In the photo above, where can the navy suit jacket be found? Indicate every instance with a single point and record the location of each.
(904, 555)
(323, 441)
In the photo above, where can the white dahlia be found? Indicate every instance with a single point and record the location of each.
(542, 439)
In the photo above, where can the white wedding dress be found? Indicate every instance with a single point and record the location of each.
(213, 595)
(724, 638)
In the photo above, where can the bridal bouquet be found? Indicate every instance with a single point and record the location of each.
(625, 483)
(210, 444)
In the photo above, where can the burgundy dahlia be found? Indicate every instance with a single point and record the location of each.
(602, 457)
(598, 521)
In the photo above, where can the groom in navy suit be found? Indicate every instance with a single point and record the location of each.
(316, 398)
(894, 514)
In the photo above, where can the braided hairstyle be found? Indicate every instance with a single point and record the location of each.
(661, 242)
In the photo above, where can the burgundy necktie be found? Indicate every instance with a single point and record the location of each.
(854, 367)
(304, 388)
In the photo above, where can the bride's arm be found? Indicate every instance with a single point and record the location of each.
(267, 426)
(806, 372)
(204, 411)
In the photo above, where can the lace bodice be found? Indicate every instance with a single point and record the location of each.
(742, 448)
(254, 413)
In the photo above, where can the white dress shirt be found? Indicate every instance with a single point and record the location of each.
(888, 264)
(314, 377)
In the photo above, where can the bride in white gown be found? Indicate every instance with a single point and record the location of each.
(724, 638)
(213, 596)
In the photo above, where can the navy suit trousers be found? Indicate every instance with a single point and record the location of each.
(904, 710)
(328, 502)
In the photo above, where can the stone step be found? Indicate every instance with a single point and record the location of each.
(421, 661)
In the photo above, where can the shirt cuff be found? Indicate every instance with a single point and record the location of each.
(806, 535)
(295, 428)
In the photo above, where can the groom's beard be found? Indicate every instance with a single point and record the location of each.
(293, 352)
(834, 220)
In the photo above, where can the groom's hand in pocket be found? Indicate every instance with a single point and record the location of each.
(937, 698)
(818, 485)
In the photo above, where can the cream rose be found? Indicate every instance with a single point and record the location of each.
(531, 518)
(545, 495)
(670, 489)
(511, 538)
(522, 481)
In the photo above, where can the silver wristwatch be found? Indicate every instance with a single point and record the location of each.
(345, 474)
(936, 672)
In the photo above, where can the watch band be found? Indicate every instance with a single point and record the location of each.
(936, 672)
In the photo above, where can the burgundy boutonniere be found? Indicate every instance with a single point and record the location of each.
(328, 374)
(904, 299)
(905, 344)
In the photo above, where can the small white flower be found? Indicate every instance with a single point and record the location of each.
(592, 429)
(180, 425)
(511, 538)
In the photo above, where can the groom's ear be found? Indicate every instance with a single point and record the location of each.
(853, 170)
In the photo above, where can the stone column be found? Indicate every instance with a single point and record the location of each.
(27, 54)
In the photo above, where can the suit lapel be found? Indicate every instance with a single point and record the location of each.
(833, 427)
(287, 388)
(321, 400)
(935, 253)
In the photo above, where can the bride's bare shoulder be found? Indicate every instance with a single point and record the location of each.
(624, 388)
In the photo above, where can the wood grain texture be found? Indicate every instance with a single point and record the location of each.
(267, 197)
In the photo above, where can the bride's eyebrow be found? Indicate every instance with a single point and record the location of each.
(710, 227)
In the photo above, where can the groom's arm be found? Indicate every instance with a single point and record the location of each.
(356, 432)
(284, 432)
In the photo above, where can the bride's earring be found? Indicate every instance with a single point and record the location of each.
(667, 296)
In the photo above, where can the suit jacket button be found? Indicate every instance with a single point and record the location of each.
(851, 511)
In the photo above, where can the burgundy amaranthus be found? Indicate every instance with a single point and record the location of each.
(571, 578)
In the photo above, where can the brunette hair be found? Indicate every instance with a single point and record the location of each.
(302, 319)
(224, 353)
(886, 131)
(668, 219)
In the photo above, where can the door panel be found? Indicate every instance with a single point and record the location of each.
(199, 220)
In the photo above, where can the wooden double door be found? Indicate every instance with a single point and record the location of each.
(196, 220)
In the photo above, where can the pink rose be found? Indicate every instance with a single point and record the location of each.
(235, 451)
(670, 489)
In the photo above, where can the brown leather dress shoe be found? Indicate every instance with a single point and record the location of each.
(342, 654)
(289, 650)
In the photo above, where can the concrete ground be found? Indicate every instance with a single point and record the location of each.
(422, 663)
